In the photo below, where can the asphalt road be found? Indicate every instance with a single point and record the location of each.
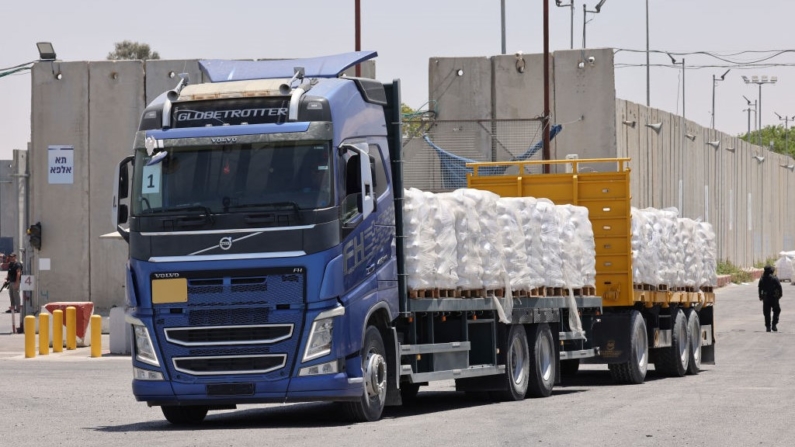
(745, 399)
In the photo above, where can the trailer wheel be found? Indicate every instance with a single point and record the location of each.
(694, 338)
(517, 365)
(569, 368)
(634, 371)
(374, 371)
(542, 351)
(184, 415)
(674, 360)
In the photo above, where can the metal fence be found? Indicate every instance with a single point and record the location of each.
(435, 151)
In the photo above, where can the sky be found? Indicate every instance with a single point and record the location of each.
(407, 33)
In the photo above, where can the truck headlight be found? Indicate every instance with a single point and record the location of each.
(320, 336)
(144, 351)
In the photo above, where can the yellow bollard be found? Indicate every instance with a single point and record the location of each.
(71, 328)
(96, 336)
(44, 334)
(30, 336)
(57, 331)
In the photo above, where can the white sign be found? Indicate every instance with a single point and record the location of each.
(44, 263)
(61, 164)
(27, 283)
(151, 180)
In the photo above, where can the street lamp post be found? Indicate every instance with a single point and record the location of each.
(760, 81)
(648, 75)
(502, 22)
(569, 5)
(786, 120)
(585, 12)
(682, 156)
(749, 109)
(714, 84)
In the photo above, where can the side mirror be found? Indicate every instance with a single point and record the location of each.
(121, 190)
(124, 182)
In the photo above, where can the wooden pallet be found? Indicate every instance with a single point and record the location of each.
(520, 293)
(651, 287)
(472, 293)
(707, 289)
(424, 293)
(585, 291)
(449, 293)
(556, 291)
(537, 292)
(499, 292)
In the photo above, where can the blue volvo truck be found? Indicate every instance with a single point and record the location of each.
(263, 213)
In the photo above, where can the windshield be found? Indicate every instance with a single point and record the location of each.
(233, 178)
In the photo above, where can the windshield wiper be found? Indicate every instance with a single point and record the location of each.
(205, 211)
(274, 205)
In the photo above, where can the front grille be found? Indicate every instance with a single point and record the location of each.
(234, 335)
(228, 317)
(230, 364)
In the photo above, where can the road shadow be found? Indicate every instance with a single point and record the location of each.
(312, 415)
(329, 414)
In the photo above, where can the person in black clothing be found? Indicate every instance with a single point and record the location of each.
(769, 294)
(12, 281)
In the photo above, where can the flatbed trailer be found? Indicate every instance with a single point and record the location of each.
(671, 327)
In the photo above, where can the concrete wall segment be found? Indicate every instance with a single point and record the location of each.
(586, 92)
(112, 129)
(59, 116)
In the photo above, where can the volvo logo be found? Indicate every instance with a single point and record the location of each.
(226, 243)
(223, 140)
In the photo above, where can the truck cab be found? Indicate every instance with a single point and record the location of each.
(259, 212)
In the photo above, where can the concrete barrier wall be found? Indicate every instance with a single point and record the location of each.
(744, 198)
(60, 116)
(120, 81)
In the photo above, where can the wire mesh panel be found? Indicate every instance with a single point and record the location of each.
(435, 152)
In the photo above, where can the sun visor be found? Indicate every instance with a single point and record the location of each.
(319, 67)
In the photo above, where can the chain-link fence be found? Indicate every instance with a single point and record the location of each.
(435, 152)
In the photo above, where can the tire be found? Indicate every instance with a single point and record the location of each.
(694, 339)
(374, 371)
(542, 353)
(633, 372)
(673, 361)
(184, 415)
(569, 368)
(517, 365)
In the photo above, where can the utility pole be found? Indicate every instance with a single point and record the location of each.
(569, 5)
(714, 84)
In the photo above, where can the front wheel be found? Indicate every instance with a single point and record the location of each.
(542, 353)
(374, 372)
(184, 415)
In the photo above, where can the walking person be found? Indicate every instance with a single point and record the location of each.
(769, 294)
(13, 276)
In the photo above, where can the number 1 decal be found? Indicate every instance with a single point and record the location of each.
(151, 180)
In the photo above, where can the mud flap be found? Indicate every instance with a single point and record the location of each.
(611, 334)
(706, 317)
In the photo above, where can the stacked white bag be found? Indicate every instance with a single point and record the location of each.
(473, 239)
(673, 251)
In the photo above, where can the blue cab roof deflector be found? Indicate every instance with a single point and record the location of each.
(217, 70)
